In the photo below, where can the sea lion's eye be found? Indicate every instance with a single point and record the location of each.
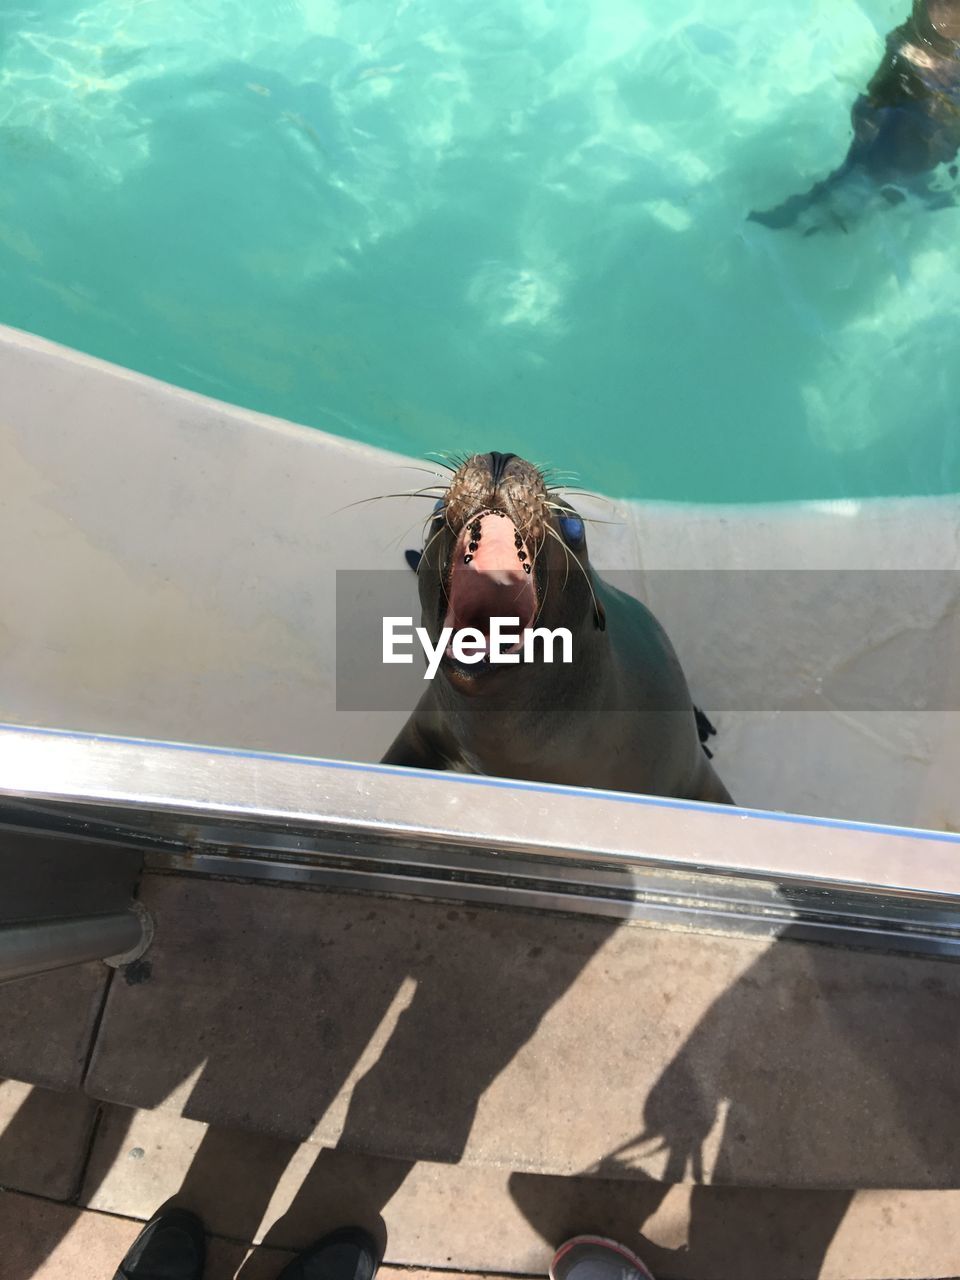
(572, 529)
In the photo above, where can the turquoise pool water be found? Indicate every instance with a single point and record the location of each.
(438, 224)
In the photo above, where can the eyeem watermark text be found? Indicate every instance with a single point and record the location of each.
(471, 645)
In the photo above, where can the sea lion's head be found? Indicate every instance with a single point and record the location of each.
(939, 20)
(503, 543)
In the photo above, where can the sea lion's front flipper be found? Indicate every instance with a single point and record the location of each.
(790, 212)
(705, 730)
(783, 215)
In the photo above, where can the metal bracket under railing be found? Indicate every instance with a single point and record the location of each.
(65, 901)
(38, 946)
(253, 816)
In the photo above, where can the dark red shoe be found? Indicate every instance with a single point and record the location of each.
(596, 1258)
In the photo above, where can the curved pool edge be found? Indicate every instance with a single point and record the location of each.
(173, 577)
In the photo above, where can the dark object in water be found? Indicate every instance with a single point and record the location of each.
(904, 126)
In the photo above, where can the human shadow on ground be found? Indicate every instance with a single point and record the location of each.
(375, 1024)
(818, 1071)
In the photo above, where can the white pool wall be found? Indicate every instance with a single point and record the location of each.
(167, 569)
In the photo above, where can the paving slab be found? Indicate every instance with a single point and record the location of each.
(40, 1240)
(537, 1043)
(271, 1008)
(256, 1188)
(44, 1139)
(142, 1159)
(47, 1024)
(735, 1233)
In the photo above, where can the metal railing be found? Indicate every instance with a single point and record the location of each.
(253, 816)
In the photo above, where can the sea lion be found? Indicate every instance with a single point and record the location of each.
(905, 127)
(618, 716)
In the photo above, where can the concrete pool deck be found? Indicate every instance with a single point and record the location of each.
(169, 562)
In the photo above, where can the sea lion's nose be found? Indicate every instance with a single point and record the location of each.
(498, 466)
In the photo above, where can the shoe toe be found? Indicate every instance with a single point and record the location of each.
(170, 1247)
(347, 1254)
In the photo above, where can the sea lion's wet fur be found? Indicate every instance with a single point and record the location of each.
(619, 717)
(905, 127)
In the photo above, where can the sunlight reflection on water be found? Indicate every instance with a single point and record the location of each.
(448, 226)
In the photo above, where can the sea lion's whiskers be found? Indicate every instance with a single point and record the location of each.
(538, 547)
(557, 506)
(429, 492)
(402, 537)
(423, 560)
(521, 590)
(428, 546)
(585, 493)
(543, 601)
(427, 522)
(563, 490)
(576, 558)
(566, 562)
(425, 470)
(451, 461)
(548, 469)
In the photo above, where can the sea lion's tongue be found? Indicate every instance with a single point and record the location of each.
(488, 578)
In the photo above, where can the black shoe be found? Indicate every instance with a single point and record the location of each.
(170, 1247)
(347, 1254)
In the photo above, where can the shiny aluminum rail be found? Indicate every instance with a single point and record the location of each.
(372, 828)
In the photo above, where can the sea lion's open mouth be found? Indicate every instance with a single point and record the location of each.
(490, 576)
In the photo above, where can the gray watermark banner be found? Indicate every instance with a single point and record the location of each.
(748, 640)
